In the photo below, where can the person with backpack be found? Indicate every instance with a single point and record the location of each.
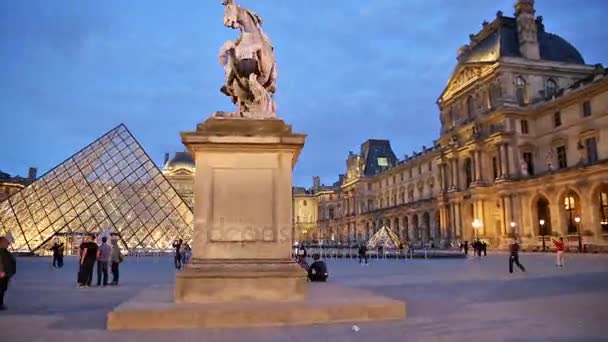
(318, 270)
(8, 268)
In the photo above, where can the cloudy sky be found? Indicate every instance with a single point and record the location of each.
(349, 70)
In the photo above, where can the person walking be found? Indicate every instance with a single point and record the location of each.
(60, 255)
(116, 259)
(466, 248)
(484, 248)
(103, 257)
(55, 250)
(88, 256)
(362, 254)
(178, 253)
(559, 247)
(8, 268)
(514, 257)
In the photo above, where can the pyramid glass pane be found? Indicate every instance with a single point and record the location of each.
(109, 186)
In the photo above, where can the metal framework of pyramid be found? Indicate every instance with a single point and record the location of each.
(111, 186)
(384, 237)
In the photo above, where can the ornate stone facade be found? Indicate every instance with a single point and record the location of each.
(11, 185)
(524, 141)
(179, 171)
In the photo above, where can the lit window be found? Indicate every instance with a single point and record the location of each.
(570, 208)
(382, 161)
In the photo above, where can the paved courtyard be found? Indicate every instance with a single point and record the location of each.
(447, 300)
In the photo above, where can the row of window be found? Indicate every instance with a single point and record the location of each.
(557, 118)
(521, 89)
(402, 175)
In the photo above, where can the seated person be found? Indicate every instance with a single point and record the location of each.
(318, 270)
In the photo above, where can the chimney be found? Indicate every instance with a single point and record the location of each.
(32, 172)
(527, 32)
(341, 178)
(316, 183)
(166, 159)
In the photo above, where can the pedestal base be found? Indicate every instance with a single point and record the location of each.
(216, 281)
(154, 308)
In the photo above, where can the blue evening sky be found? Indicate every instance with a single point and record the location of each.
(349, 70)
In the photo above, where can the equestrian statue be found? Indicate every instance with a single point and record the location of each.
(249, 64)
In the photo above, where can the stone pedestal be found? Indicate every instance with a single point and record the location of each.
(242, 274)
(242, 213)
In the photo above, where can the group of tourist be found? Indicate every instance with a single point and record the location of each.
(183, 253)
(103, 255)
(478, 247)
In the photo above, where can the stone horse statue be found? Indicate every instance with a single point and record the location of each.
(249, 64)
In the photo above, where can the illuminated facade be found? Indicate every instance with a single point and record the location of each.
(110, 186)
(179, 171)
(523, 151)
(11, 185)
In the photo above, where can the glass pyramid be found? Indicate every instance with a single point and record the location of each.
(110, 186)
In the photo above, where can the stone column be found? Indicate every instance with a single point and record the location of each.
(508, 214)
(478, 166)
(454, 184)
(511, 161)
(458, 219)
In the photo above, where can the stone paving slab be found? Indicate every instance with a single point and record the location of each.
(447, 300)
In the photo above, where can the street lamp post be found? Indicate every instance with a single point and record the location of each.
(476, 226)
(578, 230)
(542, 231)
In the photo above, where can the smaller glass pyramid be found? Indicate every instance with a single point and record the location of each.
(109, 186)
(384, 237)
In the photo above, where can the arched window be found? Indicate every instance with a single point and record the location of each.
(404, 233)
(426, 221)
(571, 208)
(544, 216)
(304, 203)
(603, 198)
(470, 106)
(550, 88)
(521, 91)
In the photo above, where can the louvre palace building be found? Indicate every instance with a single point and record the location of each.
(522, 152)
